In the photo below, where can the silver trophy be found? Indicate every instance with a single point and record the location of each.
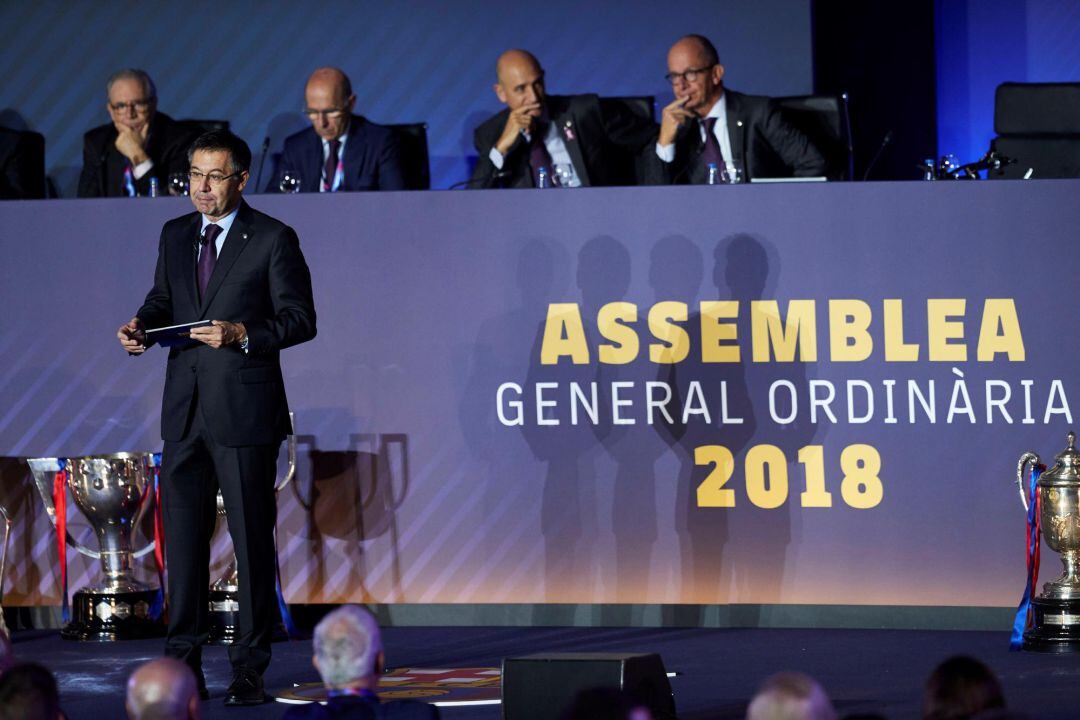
(113, 492)
(225, 593)
(1056, 626)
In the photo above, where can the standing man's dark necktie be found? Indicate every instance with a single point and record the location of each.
(207, 256)
(538, 153)
(711, 153)
(331, 166)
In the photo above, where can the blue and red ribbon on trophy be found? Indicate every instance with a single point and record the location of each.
(1024, 616)
(60, 507)
(158, 608)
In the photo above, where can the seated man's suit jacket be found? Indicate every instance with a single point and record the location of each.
(103, 165)
(22, 165)
(261, 280)
(372, 159)
(363, 708)
(765, 144)
(594, 139)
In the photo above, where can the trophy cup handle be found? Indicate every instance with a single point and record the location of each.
(291, 446)
(3, 552)
(1028, 457)
(43, 469)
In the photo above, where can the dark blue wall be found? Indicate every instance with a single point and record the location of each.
(410, 61)
(982, 44)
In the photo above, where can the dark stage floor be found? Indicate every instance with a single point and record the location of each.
(863, 670)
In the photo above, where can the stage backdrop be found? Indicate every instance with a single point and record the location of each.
(246, 61)
(810, 394)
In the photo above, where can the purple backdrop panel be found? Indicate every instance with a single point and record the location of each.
(795, 394)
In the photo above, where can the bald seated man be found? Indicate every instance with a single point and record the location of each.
(349, 657)
(163, 689)
(341, 151)
(578, 143)
(707, 123)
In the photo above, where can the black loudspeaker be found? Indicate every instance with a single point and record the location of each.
(541, 687)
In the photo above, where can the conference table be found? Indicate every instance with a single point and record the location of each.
(806, 394)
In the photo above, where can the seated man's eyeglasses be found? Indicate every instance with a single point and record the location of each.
(688, 76)
(331, 114)
(139, 106)
(196, 178)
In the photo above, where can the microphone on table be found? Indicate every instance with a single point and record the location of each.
(493, 177)
(262, 161)
(884, 142)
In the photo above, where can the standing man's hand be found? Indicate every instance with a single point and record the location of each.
(673, 117)
(132, 336)
(132, 143)
(519, 121)
(220, 334)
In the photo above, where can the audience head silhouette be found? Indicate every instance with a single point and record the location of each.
(163, 689)
(790, 696)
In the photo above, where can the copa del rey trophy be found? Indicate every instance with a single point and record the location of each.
(1052, 499)
(112, 491)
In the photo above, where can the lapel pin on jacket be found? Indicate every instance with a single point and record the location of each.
(568, 131)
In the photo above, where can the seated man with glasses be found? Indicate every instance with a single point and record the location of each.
(120, 158)
(708, 124)
(340, 152)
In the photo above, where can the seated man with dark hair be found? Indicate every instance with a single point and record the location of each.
(708, 124)
(141, 144)
(960, 687)
(340, 152)
(570, 136)
(349, 658)
(28, 692)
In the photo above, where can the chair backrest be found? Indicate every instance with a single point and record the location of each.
(414, 154)
(825, 121)
(1037, 126)
(640, 105)
(29, 164)
(201, 126)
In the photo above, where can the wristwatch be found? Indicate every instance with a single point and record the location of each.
(244, 344)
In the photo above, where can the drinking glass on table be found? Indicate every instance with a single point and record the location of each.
(290, 182)
(732, 173)
(179, 183)
(563, 174)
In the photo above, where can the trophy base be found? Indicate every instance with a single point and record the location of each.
(1056, 628)
(225, 619)
(99, 616)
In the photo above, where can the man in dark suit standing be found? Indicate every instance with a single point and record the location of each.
(570, 136)
(349, 658)
(224, 412)
(140, 144)
(340, 152)
(708, 124)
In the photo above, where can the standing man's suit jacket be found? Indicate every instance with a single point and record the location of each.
(103, 165)
(766, 144)
(260, 279)
(372, 158)
(593, 139)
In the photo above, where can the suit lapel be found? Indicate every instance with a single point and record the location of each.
(354, 152)
(567, 127)
(188, 264)
(736, 130)
(235, 241)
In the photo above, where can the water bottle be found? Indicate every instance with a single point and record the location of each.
(713, 174)
(543, 180)
(153, 187)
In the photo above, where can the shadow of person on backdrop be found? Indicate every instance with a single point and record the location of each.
(747, 269)
(676, 274)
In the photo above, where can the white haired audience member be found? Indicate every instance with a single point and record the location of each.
(790, 696)
(163, 689)
(349, 657)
